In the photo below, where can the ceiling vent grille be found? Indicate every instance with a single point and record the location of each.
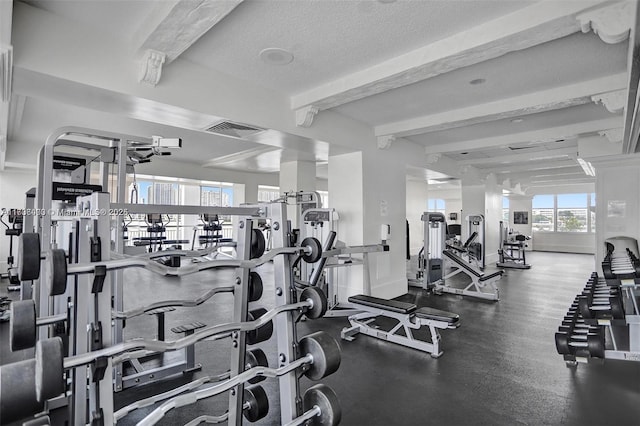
(232, 129)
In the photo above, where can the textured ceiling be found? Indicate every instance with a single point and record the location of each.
(332, 39)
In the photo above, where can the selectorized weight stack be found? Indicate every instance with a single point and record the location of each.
(430, 259)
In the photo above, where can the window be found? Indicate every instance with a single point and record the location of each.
(436, 205)
(505, 209)
(543, 212)
(268, 193)
(564, 213)
(572, 213)
(219, 195)
(324, 198)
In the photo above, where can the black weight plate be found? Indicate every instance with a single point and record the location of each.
(323, 397)
(318, 299)
(28, 256)
(18, 391)
(22, 327)
(258, 244)
(326, 354)
(258, 403)
(583, 305)
(617, 307)
(595, 343)
(255, 286)
(316, 250)
(256, 358)
(58, 264)
(262, 333)
(562, 344)
(50, 380)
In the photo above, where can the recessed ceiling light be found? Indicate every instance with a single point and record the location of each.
(276, 56)
(477, 81)
(517, 120)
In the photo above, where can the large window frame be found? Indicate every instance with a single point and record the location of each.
(566, 213)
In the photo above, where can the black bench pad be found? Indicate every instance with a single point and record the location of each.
(437, 315)
(387, 305)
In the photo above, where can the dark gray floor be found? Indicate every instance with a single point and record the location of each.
(499, 368)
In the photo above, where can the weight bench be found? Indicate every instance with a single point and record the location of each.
(479, 279)
(408, 315)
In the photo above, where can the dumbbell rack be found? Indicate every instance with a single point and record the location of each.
(605, 308)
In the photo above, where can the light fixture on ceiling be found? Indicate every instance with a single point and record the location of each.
(276, 56)
(517, 120)
(6, 68)
(587, 167)
(477, 81)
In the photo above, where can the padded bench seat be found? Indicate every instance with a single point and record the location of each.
(387, 305)
(437, 315)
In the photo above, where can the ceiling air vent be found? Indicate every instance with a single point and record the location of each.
(232, 129)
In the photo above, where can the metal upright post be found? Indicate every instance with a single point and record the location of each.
(284, 324)
(240, 310)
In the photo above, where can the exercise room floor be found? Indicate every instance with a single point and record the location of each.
(499, 368)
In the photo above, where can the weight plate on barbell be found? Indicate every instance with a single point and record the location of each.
(326, 354)
(258, 403)
(258, 244)
(262, 333)
(316, 250)
(28, 256)
(319, 300)
(255, 286)
(323, 397)
(50, 380)
(58, 265)
(256, 358)
(22, 326)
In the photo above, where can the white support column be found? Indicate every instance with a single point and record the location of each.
(297, 176)
(483, 196)
(617, 200)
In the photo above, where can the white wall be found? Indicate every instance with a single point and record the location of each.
(567, 242)
(13, 186)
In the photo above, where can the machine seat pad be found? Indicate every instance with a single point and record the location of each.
(188, 327)
(387, 305)
(437, 315)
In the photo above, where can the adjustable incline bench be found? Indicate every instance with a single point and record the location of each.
(479, 279)
(408, 316)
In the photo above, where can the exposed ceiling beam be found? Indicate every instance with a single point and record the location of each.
(539, 23)
(172, 28)
(532, 103)
(523, 156)
(551, 133)
(534, 167)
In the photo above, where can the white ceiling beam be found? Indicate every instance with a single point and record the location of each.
(532, 103)
(551, 133)
(172, 28)
(539, 23)
(522, 156)
(535, 167)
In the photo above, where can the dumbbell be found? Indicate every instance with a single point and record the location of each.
(321, 358)
(591, 306)
(310, 251)
(23, 324)
(570, 343)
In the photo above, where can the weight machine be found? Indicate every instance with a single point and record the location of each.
(512, 249)
(15, 217)
(430, 260)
